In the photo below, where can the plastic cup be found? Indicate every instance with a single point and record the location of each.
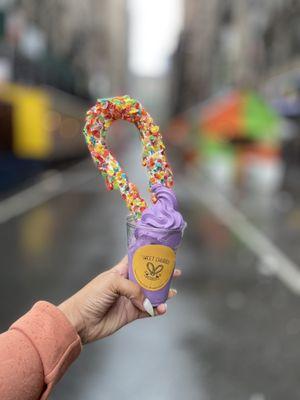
(152, 259)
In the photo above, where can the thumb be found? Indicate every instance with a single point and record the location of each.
(134, 293)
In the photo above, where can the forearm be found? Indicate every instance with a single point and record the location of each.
(21, 369)
(36, 352)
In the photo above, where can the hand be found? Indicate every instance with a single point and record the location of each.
(109, 302)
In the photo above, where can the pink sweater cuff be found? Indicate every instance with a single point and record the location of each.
(54, 338)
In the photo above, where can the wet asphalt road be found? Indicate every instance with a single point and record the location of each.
(231, 334)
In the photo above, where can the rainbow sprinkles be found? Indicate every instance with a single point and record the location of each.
(98, 120)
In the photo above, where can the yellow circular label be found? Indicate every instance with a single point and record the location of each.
(153, 266)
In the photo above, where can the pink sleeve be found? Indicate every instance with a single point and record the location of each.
(35, 353)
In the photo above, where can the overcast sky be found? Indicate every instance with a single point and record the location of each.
(153, 34)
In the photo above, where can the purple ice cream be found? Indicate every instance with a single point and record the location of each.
(160, 224)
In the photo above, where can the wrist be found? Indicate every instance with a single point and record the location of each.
(68, 308)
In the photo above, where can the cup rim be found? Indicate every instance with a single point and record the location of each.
(131, 222)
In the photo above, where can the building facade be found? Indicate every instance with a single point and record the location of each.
(89, 36)
(235, 43)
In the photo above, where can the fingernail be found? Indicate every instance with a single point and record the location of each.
(148, 307)
(166, 306)
(174, 290)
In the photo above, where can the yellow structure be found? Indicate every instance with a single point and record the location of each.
(31, 138)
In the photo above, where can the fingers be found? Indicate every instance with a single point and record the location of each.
(177, 273)
(161, 309)
(122, 267)
(172, 293)
(134, 293)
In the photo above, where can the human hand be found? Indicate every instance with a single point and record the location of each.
(109, 302)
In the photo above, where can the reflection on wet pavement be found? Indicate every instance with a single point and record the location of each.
(232, 333)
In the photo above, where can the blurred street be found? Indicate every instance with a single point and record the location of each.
(232, 333)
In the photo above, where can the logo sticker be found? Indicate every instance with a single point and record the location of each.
(153, 266)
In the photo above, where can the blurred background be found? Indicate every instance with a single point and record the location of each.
(222, 78)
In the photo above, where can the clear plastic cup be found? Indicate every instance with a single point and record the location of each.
(152, 258)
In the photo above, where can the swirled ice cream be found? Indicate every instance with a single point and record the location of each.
(161, 226)
(163, 217)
